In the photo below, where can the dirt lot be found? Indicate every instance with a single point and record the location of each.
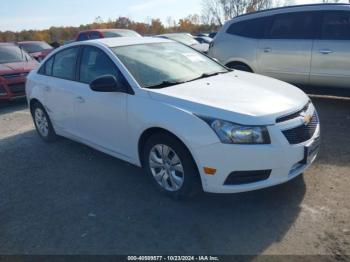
(65, 198)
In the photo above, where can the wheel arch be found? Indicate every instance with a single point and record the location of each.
(146, 134)
(240, 62)
(32, 103)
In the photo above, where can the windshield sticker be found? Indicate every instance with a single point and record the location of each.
(193, 57)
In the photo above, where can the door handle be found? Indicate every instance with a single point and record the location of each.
(267, 50)
(47, 88)
(326, 51)
(79, 99)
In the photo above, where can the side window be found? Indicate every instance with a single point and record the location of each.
(46, 69)
(83, 37)
(336, 26)
(253, 28)
(293, 26)
(94, 35)
(95, 63)
(64, 65)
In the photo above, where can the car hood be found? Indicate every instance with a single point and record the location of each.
(201, 47)
(239, 97)
(17, 67)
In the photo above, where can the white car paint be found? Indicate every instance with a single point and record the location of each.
(114, 122)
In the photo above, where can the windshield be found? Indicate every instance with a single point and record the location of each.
(35, 47)
(183, 38)
(155, 65)
(11, 54)
(125, 33)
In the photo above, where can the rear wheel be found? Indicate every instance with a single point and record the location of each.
(171, 166)
(42, 123)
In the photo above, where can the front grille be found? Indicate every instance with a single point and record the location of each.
(294, 115)
(302, 133)
(17, 88)
(9, 76)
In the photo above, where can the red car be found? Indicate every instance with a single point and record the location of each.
(37, 49)
(15, 64)
(105, 33)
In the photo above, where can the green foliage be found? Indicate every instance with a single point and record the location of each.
(189, 24)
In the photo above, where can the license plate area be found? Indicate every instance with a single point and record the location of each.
(311, 150)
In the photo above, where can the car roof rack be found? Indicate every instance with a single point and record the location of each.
(292, 6)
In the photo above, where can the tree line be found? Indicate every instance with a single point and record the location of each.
(214, 14)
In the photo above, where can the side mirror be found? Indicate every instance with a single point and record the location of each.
(107, 83)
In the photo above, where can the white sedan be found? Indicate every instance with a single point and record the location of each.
(189, 121)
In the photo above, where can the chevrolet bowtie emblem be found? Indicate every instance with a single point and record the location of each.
(306, 118)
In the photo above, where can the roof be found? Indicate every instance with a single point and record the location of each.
(6, 43)
(106, 30)
(29, 42)
(123, 41)
(296, 6)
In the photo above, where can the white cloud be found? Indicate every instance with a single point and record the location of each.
(149, 4)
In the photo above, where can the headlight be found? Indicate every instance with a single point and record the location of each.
(231, 133)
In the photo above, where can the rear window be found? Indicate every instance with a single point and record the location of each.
(299, 25)
(336, 26)
(65, 63)
(46, 69)
(253, 28)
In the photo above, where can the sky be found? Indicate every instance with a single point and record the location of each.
(16, 15)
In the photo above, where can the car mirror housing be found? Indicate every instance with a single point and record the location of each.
(107, 83)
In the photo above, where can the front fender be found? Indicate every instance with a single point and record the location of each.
(145, 113)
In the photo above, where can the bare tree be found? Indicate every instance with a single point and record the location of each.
(222, 10)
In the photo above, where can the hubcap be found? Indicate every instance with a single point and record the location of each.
(166, 167)
(41, 122)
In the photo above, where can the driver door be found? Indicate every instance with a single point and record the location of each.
(101, 117)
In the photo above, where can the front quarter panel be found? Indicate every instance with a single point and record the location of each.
(145, 113)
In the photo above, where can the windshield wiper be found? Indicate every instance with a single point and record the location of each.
(164, 84)
(206, 75)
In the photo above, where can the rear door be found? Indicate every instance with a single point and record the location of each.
(286, 52)
(331, 52)
(58, 87)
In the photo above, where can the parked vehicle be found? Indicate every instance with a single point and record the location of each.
(186, 39)
(203, 39)
(105, 33)
(15, 64)
(188, 120)
(308, 44)
(212, 34)
(37, 49)
(202, 34)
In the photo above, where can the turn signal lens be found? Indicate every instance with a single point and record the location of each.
(209, 171)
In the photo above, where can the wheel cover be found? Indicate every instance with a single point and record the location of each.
(166, 167)
(41, 122)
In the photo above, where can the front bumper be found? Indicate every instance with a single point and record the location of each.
(285, 161)
(12, 89)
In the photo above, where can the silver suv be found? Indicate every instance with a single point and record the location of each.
(308, 44)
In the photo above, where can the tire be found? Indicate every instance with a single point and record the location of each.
(43, 123)
(241, 67)
(165, 171)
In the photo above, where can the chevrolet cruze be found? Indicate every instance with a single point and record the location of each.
(187, 120)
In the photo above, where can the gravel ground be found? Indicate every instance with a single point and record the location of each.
(66, 198)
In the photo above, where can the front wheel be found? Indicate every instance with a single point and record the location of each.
(42, 123)
(171, 166)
